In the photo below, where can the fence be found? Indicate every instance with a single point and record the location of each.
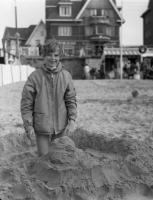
(14, 73)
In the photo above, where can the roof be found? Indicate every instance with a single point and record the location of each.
(78, 8)
(53, 4)
(125, 50)
(150, 5)
(148, 10)
(10, 32)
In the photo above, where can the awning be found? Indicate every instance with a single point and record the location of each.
(147, 55)
(125, 51)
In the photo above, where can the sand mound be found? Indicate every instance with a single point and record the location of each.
(83, 167)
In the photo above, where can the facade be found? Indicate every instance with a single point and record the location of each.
(83, 27)
(147, 16)
(23, 41)
(148, 25)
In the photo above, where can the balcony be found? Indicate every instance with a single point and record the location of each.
(100, 38)
(99, 20)
(29, 51)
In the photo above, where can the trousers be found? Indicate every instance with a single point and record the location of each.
(44, 141)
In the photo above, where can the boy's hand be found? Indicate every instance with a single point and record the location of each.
(69, 128)
(30, 133)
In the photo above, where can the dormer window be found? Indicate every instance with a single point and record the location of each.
(93, 12)
(65, 11)
(105, 12)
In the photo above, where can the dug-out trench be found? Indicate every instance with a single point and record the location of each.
(84, 166)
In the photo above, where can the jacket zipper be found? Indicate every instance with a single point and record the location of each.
(52, 96)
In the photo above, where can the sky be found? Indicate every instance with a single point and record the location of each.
(32, 11)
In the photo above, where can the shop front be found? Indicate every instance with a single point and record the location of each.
(130, 55)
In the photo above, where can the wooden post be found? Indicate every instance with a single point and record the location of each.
(27, 71)
(2, 73)
(11, 73)
(20, 71)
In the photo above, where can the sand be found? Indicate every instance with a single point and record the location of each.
(108, 157)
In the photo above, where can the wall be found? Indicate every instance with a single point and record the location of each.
(94, 62)
(74, 66)
(148, 28)
(14, 73)
(20, 72)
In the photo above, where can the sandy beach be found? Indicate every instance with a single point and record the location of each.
(108, 157)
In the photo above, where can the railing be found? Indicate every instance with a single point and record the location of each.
(99, 20)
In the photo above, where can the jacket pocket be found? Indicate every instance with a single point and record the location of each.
(41, 123)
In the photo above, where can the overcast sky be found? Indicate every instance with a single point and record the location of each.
(32, 11)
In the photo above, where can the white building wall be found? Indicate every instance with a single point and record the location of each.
(38, 35)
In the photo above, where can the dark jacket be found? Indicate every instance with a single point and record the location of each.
(48, 101)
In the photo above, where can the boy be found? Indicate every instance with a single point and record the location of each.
(48, 103)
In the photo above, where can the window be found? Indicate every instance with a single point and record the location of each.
(102, 12)
(37, 42)
(146, 20)
(69, 49)
(105, 12)
(93, 12)
(147, 34)
(65, 11)
(109, 31)
(100, 29)
(25, 51)
(64, 31)
(88, 30)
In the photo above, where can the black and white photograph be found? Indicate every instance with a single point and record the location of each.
(76, 99)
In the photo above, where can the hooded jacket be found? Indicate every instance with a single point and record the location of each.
(48, 100)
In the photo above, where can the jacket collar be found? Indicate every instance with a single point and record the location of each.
(52, 71)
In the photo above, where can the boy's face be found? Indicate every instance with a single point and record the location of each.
(52, 59)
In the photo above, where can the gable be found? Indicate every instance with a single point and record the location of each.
(98, 4)
(38, 34)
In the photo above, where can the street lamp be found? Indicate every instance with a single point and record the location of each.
(17, 35)
(121, 52)
(121, 22)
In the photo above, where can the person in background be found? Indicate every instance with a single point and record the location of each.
(133, 69)
(102, 70)
(87, 71)
(144, 69)
(93, 73)
(48, 103)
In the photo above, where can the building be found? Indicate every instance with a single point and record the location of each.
(23, 41)
(147, 25)
(2, 56)
(147, 17)
(83, 27)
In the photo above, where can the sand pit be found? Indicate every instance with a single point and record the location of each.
(104, 168)
(97, 162)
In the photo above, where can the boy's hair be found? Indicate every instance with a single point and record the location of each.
(52, 45)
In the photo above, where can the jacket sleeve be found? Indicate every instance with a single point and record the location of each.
(70, 100)
(27, 102)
